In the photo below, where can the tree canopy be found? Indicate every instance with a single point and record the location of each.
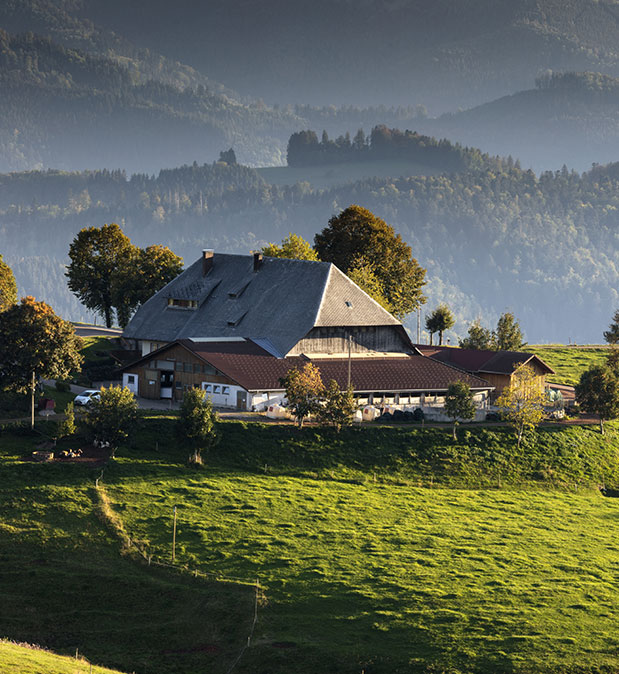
(304, 391)
(107, 272)
(508, 336)
(597, 392)
(439, 320)
(113, 417)
(522, 403)
(196, 424)
(357, 235)
(459, 404)
(612, 334)
(8, 287)
(293, 246)
(34, 339)
(478, 337)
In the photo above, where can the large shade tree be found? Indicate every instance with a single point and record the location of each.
(597, 392)
(293, 246)
(34, 343)
(8, 287)
(108, 273)
(355, 235)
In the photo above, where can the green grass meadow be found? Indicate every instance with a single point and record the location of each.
(377, 550)
(569, 362)
(27, 659)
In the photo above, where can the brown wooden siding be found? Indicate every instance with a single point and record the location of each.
(364, 339)
(175, 355)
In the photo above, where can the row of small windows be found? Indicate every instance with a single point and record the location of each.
(195, 368)
(216, 389)
(182, 304)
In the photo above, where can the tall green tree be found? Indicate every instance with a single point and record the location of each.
(459, 403)
(33, 339)
(612, 334)
(8, 287)
(597, 392)
(113, 417)
(478, 337)
(304, 391)
(151, 269)
(522, 403)
(338, 406)
(97, 254)
(293, 246)
(508, 336)
(196, 424)
(108, 273)
(363, 273)
(439, 320)
(357, 233)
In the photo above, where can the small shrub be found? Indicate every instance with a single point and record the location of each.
(418, 415)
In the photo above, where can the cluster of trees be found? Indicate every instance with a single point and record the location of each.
(107, 273)
(304, 149)
(485, 236)
(369, 251)
(507, 336)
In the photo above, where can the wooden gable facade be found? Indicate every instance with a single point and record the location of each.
(173, 369)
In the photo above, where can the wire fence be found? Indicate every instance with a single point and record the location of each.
(113, 521)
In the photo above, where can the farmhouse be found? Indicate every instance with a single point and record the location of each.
(235, 324)
(496, 367)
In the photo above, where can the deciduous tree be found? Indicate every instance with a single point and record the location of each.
(304, 391)
(522, 403)
(293, 246)
(459, 403)
(338, 406)
(97, 254)
(33, 339)
(8, 287)
(439, 320)
(597, 392)
(478, 337)
(196, 425)
(355, 234)
(508, 336)
(113, 417)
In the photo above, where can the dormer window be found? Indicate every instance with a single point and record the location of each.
(182, 304)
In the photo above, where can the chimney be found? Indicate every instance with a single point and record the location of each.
(257, 261)
(207, 260)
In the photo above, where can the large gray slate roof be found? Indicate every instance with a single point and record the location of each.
(279, 303)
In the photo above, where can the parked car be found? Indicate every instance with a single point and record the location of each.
(85, 398)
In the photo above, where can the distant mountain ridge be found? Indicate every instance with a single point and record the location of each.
(569, 118)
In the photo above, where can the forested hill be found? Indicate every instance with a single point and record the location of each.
(440, 53)
(65, 108)
(545, 247)
(568, 118)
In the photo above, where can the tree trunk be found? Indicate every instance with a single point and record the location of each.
(431, 335)
(602, 425)
(108, 317)
(440, 338)
(454, 431)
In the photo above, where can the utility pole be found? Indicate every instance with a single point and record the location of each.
(32, 385)
(419, 324)
(349, 357)
(174, 538)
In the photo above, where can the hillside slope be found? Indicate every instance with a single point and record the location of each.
(25, 659)
(568, 119)
(66, 108)
(436, 52)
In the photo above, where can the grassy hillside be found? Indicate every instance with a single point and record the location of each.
(569, 362)
(65, 585)
(360, 573)
(367, 559)
(26, 659)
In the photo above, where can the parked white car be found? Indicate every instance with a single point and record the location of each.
(85, 398)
